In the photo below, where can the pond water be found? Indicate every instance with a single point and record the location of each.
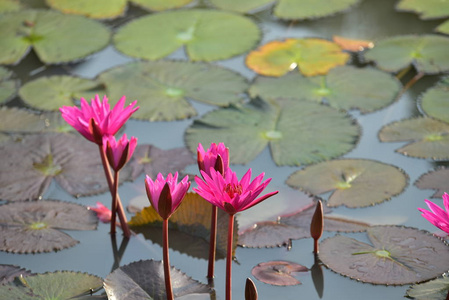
(371, 20)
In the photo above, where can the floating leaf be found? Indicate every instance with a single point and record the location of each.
(9, 6)
(192, 221)
(56, 38)
(443, 28)
(312, 56)
(98, 9)
(434, 180)
(344, 87)
(151, 160)
(352, 44)
(51, 93)
(58, 285)
(353, 182)
(9, 272)
(32, 164)
(278, 272)
(145, 280)
(436, 289)
(207, 35)
(427, 9)
(289, 127)
(34, 227)
(396, 256)
(8, 86)
(427, 53)
(241, 6)
(434, 101)
(428, 138)
(158, 5)
(163, 87)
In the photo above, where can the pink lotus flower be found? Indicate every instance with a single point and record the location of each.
(165, 195)
(104, 214)
(119, 152)
(97, 119)
(216, 157)
(438, 216)
(230, 194)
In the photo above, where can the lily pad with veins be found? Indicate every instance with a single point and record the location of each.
(395, 256)
(280, 273)
(436, 289)
(353, 182)
(434, 180)
(144, 279)
(425, 137)
(34, 227)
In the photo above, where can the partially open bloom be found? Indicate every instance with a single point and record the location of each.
(166, 194)
(105, 121)
(230, 194)
(216, 157)
(437, 216)
(104, 214)
(119, 152)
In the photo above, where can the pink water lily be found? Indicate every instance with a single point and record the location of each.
(97, 119)
(166, 194)
(119, 152)
(104, 214)
(216, 157)
(437, 216)
(230, 194)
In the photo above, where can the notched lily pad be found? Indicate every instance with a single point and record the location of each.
(34, 161)
(145, 280)
(427, 53)
(34, 227)
(163, 87)
(434, 180)
(206, 34)
(434, 101)
(427, 138)
(436, 289)
(396, 256)
(353, 182)
(56, 38)
(9, 272)
(8, 85)
(427, 9)
(59, 285)
(311, 56)
(279, 273)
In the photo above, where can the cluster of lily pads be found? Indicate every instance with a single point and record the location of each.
(299, 81)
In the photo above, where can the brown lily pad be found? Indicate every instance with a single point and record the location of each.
(434, 180)
(279, 273)
(9, 272)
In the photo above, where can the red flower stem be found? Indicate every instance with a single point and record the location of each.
(168, 287)
(315, 246)
(212, 242)
(120, 211)
(114, 203)
(229, 258)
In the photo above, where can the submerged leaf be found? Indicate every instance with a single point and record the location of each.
(278, 272)
(434, 101)
(312, 56)
(33, 227)
(396, 256)
(353, 182)
(9, 272)
(427, 9)
(145, 280)
(427, 53)
(434, 180)
(8, 86)
(436, 289)
(98, 9)
(163, 87)
(426, 137)
(207, 35)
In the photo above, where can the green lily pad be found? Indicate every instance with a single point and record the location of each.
(353, 182)
(344, 87)
(395, 256)
(34, 161)
(8, 86)
(9, 272)
(10, 6)
(427, 53)
(106, 9)
(434, 180)
(443, 27)
(434, 101)
(436, 289)
(163, 87)
(51, 93)
(290, 127)
(159, 5)
(207, 35)
(312, 56)
(426, 137)
(56, 38)
(427, 9)
(59, 285)
(34, 227)
(144, 279)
